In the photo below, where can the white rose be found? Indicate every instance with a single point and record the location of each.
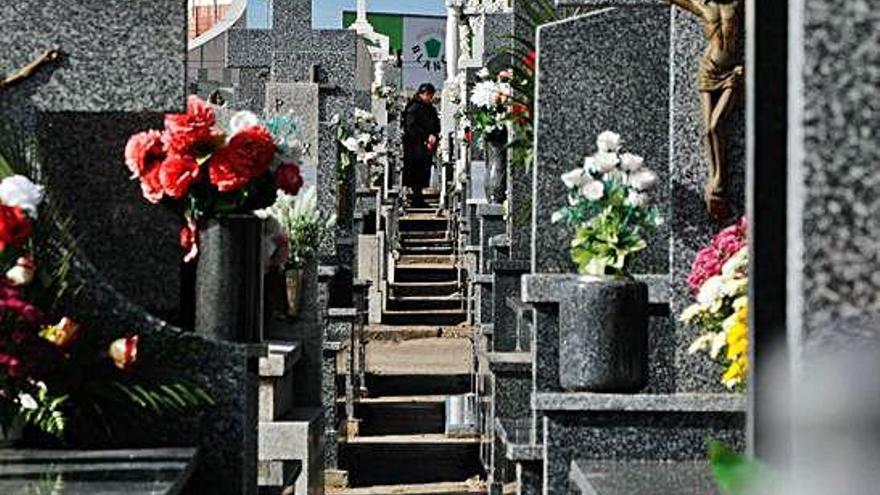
(574, 178)
(630, 162)
(608, 142)
(351, 144)
(593, 190)
(18, 190)
(242, 120)
(643, 180)
(22, 273)
(605, 162)
(484, 94)
(590, 163)
(615, 175)
(28, 403)
(710, 291)
(637, 199)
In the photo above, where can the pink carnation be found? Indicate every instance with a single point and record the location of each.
(710, 259)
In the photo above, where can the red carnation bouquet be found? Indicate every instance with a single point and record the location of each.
(202, 170)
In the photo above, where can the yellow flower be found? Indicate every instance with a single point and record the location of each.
(736, 373)
(737, 348)
(737, 332)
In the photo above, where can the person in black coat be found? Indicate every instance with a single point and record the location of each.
(421, 131)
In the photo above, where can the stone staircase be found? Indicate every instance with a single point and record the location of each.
(421, 353)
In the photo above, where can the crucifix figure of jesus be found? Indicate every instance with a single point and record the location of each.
(719, 77)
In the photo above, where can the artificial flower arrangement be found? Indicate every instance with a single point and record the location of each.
(53, 372)
(394, 101)
(719, 279)
(609, 206)
(365, 139)
(203, 171)
(301, 227)
(297, 228)
(489, 98)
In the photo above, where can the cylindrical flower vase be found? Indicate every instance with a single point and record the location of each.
(603, 336)
(229, 279)
(495, 183)
(294, 282)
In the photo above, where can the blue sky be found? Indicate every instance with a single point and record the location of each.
(328, 13)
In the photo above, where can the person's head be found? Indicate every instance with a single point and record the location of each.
(426, 93)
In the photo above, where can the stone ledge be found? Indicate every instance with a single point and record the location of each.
(278, 474)
(510, 362)
(487, 329)
(483, 279)
(342, 313)
(477, 202)
(642, 477)
(328, 271)
(519, 443)
(281, 358)
(489, 210)
(557, 287)
(685, 403)
(472, 249)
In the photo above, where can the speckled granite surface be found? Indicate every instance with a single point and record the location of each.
(119, 55)
(617, 79)
(642, 477)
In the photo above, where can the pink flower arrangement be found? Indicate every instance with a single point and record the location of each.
(711, 258)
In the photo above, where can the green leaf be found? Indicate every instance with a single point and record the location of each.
(735, 473)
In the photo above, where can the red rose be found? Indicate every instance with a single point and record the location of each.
(247, 155)
(192, 132)
(176, 174)
(15, 226)
(288, 178)
(143, 152)
(189, 241)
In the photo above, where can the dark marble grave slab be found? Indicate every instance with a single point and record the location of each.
(108, 472)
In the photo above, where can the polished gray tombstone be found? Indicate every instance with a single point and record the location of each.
(76, 114)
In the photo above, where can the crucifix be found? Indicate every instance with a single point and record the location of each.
(719, 77)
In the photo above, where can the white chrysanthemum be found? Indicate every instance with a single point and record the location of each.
(351, 144)
(483, 73)
(710, 291)
(737, 263)
(18, 190)
(605, 162)
(637, 199)
(608, 142)
(644, 180)
(574, 178)
(631, 162)
(593, 190)
(557, 217)
(691, 312)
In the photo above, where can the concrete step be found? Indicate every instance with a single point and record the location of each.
(277, 383)
(432, 235)
(439, 248)
(424, 289)
(397, 333)
(424, 317)
(426, 273)
(423, 214)
(426, 260)
(473, 487)
(431, 356)
(400, 415)
(408, 459)
(298, 436)
(416, 303)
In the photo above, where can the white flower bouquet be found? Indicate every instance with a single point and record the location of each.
(609, 206)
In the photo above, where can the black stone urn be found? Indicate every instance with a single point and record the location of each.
(603, 335)
(229, 279)
(495, 183)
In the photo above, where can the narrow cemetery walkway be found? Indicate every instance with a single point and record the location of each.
(420, 354)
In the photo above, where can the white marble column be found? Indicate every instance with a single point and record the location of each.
(448, 107)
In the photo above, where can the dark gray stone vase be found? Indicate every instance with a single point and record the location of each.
(495, 183)
(229, 279)
(603, 336)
